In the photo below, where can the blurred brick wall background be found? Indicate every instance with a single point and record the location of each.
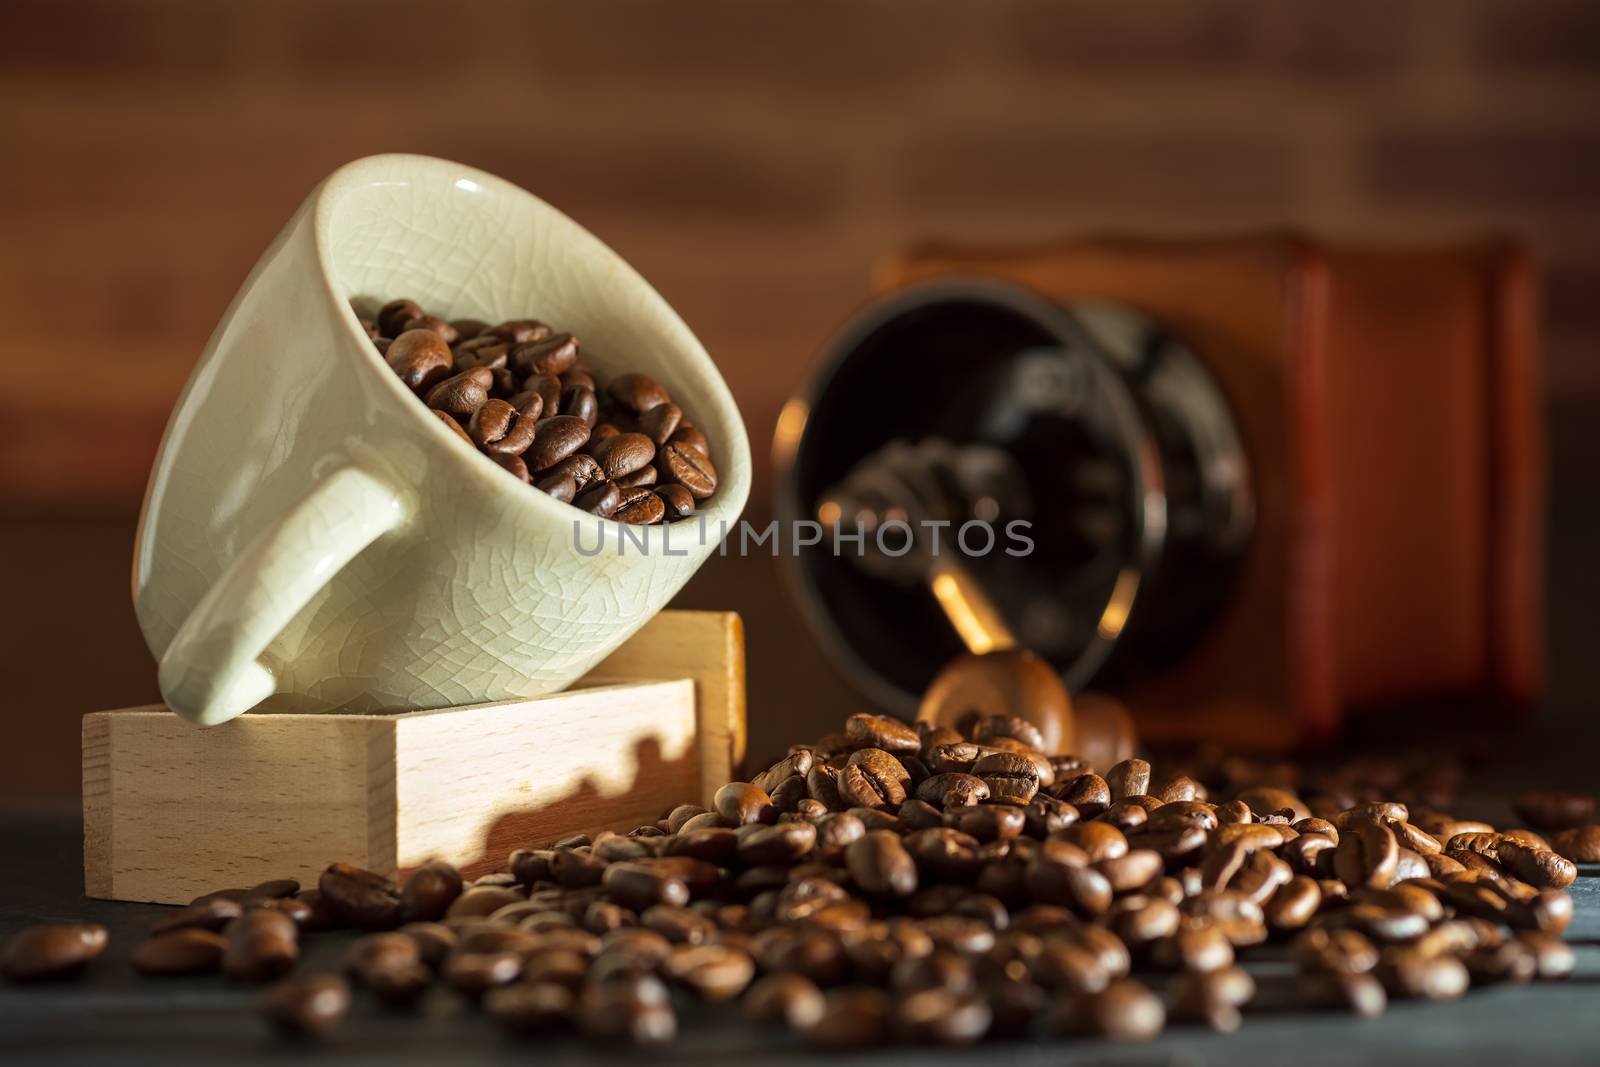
(752, 159)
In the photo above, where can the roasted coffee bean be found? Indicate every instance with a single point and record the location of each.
(1367, 854)
(1134, 869)
(375, 955)
(540, 395)
(873, 784)
(634, 1009)
(953, 790)
(1555, 810)
(1099, 840)
(943, 1017)
(434, 941)
(557, 437)
(1129, 778)
(881, 732)
(311, 1005)
(393, 316)
(1484, 843)
(641, 507)
(603, 500)
(643, 478)
(580, 467)
(1124, 1011)
(553, 355)
(295, 909)
(989, 822)
(1212, 997)
(1407, 972)
(791, 999)
(1540, 868)
(1088, 792)
(1140, 920)
(636, 393)
(679, 925)
(741, 803)
(481, 901)
(421, 359)
(359, 898)
(273, 889)
(530, 1008)
(434, 324)
(1509, 961)
(208, 913)
(785, 842)
(485, 353)
(509, 436)
(881, 866)
(429, 892)
(187, 951)
(624, 454)
(559, 487)
(1009, 776)
(680, 465)
(518, 331)
(1553, 957)
(455, 427)
(795, 765)
(51, 951)
(660, 422)
(637, 886)
(1580, 844)
(1293, 903)
(260, 945)
(1198, 948)
(715, 972)
(1342, 950)
(462, 395)
(473, 973)
(679, 501)
(690, 436)
(851, 1018)
(1343, 990)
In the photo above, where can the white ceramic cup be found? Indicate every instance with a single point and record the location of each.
(313, 539)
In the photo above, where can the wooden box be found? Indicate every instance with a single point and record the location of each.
(172, 810)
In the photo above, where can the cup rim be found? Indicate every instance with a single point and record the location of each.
(733, 484)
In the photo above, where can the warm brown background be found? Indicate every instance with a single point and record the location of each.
(752, 159)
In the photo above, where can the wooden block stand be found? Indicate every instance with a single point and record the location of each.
(172, 810)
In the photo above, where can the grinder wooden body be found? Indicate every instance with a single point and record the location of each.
(1389, 404)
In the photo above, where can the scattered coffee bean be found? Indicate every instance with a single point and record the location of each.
(1580, 844)
(52, 951)
(260, 945)
(1555, 810)
(309, 1006)
(359, 898)
(943, 883)
(190, 950)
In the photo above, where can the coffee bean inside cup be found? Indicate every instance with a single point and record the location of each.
(521, 393)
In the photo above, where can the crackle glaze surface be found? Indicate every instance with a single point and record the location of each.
(475, 588)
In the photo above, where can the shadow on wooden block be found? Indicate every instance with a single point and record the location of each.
(172, 810)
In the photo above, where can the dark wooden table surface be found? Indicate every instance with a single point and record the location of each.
(115, 1016)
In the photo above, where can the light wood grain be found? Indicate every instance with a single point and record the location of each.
(474, 783)
(172, 810)
(707, 646)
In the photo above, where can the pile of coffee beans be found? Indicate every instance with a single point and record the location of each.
(520, 393)
(910, 883)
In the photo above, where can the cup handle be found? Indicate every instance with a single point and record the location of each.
(212, 672)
